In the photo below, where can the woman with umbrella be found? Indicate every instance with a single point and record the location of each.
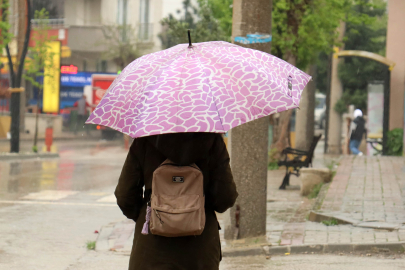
(174, 103)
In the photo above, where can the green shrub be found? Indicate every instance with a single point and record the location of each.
(357, 98)
(273, 160)
(272, 166)
(395, 142)
(91, 245)
(330, 222)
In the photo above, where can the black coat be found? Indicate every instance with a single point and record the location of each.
(358, 128)
(209, 152)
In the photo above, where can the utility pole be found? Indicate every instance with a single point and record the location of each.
(24, 11)
(248, 143)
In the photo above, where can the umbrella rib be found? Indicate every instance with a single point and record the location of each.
(213, 97)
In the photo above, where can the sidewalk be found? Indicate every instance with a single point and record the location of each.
(364, 189)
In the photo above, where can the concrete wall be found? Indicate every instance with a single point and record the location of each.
(93, 10)
(83, 12)
(74, 12)
(85, 19)
(396, 52)
(109, 11)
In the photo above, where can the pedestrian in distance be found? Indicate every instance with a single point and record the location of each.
(175, 227)
(82, 105)
(357, 130)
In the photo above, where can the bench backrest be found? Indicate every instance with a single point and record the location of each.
(311, 149)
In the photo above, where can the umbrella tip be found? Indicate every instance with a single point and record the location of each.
(189, 39)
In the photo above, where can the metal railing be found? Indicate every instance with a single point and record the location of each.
(52, 23)
(145, 33)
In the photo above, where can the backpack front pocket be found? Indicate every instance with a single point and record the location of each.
(177, 215)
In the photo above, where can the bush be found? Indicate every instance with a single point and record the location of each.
(273, 161)
(395, 142)
(357, 98)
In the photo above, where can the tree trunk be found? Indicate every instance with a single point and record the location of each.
(281, 127)
(25, 15)
(305, 124)
(336, 91)
(248, 143)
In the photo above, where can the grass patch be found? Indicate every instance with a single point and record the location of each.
(272, 166)
(272, 159)
(91, 245)
(332, 167)
(315, 191)
(330, 222)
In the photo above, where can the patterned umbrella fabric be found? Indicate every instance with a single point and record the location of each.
(208, 87)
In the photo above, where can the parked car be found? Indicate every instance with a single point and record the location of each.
(320, 109)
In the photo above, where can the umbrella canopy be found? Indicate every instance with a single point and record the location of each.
(206, 87)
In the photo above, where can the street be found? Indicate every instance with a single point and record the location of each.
(50, 208)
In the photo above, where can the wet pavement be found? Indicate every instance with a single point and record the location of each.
(50, 208)
(83, 165)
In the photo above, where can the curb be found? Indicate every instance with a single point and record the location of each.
(56, 138)
(398, 247)
(341, 219)
(19, 156)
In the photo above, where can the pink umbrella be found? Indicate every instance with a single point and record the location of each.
(206, 87)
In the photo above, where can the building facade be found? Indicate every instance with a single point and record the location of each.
(85, 20)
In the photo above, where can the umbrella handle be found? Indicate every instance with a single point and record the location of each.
(189, 39)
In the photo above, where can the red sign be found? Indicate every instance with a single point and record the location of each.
(100, 84)
(68, 69)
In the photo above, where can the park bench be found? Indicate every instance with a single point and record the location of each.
(376, 142)
(294, 160)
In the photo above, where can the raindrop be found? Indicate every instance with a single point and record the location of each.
(82, 134)
(83, 126)
(358, 70)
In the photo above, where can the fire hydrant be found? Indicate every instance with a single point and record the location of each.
(49, 137)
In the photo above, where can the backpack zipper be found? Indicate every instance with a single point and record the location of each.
(172, 164)
(158, 216)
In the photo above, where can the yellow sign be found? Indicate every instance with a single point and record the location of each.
(52, 80)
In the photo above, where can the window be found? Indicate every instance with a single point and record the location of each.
(144, 11)
(144, 31)
(122, 11)
(103, 66)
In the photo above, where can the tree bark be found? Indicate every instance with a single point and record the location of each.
(336, 91)
(305, 124)
(24, 9)
(281, 127)
(248, 144)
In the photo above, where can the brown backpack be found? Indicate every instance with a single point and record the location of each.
(177, 201)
